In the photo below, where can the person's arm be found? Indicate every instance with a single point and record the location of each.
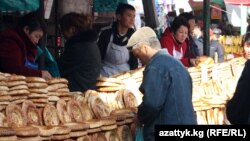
(102, 43)
(168, 44)
(154, 89)
(220, 51)
(11, 58)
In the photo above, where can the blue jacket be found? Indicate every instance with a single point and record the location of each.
(167, 90)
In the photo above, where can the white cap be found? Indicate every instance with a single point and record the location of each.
(141, 34)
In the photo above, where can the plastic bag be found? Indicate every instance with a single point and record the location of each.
(139, 134)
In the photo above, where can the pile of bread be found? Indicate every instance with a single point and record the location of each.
(32, 108)
(213, 86)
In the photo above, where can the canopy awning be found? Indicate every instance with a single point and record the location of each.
(238, 2)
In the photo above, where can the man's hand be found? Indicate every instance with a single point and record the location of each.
(46, 74)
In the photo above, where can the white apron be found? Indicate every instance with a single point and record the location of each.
(116, 59)
(177, 55)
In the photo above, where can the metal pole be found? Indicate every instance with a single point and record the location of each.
(206, 19)
(43, 41)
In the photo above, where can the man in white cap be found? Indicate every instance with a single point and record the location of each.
(166, 85)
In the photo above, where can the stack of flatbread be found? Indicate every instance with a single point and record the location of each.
(106, 84)
(61, 133)
(108, 124)
(77, 129)
(94, 125)
(38, 93)
(195, 73)
(58, 89)
(7, 134)
(28, 133)
(137, 74)
(18, 89)
(4, 97)
(123, 116)
(129, 99)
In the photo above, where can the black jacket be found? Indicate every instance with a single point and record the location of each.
(80, 63)
(238, 108)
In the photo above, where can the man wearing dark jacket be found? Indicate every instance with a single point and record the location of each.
(80, 62)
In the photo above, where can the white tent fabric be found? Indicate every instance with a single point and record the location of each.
(237, 16)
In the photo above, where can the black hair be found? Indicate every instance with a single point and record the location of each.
(122, 7)
(177, 23)
(187, 15)
(246, 38)
(33, 21)
(81, 22)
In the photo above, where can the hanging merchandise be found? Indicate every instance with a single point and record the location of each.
(107, 5)
(19, 5)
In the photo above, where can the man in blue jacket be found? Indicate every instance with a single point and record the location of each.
(166, 85)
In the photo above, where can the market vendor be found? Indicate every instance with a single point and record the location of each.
(18, 47)
(112, 42)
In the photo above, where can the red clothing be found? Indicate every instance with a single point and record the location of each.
(15, 46)
(167, 41)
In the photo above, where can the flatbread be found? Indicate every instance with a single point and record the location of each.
(74, 126)
(86, 111)
(15, 116)
(111, 136)
(4, 88)
(18, 92)
(124, 133)
(31, 112)
(109, 79)
(8, 138)
(19, 87)
(63, 90)
(50, 115)
(15, 83)
(5, 97)
(53, 98)
(27, 131)
(74, 110)
(55, 87)
(60, 137)
(84, 138)
(35, 79)
(57, 80)
(129, 99)
(64, 116)
(18, 97)
(35, 95)
(98, 107)
(109, 89)
(45, 131)
(61, 130)
(39, 91)
(94, 123)
(37, 85)
(75, 134)
(7, 131)
(3, 78)
(108, 127)
(16, 78)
